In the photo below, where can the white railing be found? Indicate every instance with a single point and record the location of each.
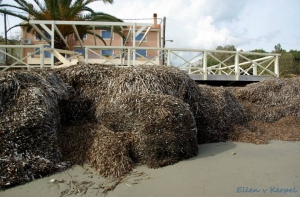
(193, 61)
(28, 61)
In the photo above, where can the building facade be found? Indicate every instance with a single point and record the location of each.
(146, 37)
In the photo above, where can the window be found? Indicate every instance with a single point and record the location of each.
(38, 37)
(84, 36)
(105, 34)
(139, 37)
(80, 50)
(141, 53)
(107, 52)
(47, 54)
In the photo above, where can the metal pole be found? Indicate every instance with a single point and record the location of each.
(164, 40)
(5, 37)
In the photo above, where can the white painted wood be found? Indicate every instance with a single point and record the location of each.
(270, 60)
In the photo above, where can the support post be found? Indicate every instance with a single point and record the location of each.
(42, 56)
(5, 37)
(276, 69)
(169, 58)
(254, 69)
(86, 55)
(205, 65)
(133, 44)
(220, 71)
(164, 41)
(52, 42)
(237, 66)
(128, 57)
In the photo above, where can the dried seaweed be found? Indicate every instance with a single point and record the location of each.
(29, 118)
(163, 125)
(220, 110)
(285, 129)
(106, 151)
(273, 108)
(115, 118)
(270, 100)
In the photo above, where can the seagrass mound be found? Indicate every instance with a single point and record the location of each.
(95, 83)
(163, 125)
(270, 100)
(220, 110)
(106, 151)
(29, 118)
(257, 132)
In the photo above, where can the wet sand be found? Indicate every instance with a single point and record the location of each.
(255, 170)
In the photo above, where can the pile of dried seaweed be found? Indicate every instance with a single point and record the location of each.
(91, 119)
(148, 102)
(220, 110)
(97, 83)
(273, 108)
(163, 125)
(285, 129)
(114, 118)
(29, 118)
(106, 151)
(270, 100)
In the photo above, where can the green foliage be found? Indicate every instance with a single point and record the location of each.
(67, 10)
(296, 55)
(289, 62)
(278, 48)
(211, 61)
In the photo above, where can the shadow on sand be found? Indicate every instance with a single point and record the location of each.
(212, 149)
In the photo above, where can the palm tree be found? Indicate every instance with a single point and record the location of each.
(67, 10)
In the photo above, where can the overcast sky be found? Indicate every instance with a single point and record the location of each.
(206, 24)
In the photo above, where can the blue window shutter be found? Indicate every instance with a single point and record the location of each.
(80, 50)
(38, 51)
(47, 53)
(139, 37)
(141, 52)
(105, 34)
(107, 52)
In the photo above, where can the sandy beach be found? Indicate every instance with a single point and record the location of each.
(221, 169)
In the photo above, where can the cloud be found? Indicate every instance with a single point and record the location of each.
(210, 23)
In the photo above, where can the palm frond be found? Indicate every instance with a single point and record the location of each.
(97, 35)
(19, 25)
(14, 14)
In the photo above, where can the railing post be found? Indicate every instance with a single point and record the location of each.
(276, 65)
(205, 65)
(86, 55)
(237, 66)
(128, 56)
(133, 57)
(254, 69)
(168, 58)
(133, 44)
(42, 56)
(52, 41)
(220, 71)
(122, 55)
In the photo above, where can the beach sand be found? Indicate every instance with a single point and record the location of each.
(225, 169)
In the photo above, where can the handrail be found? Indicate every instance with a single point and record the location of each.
(241, 63)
